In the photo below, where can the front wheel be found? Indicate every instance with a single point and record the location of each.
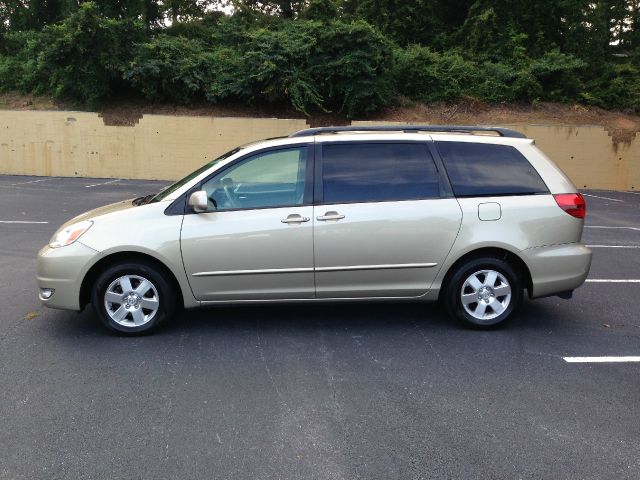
(483, 292)
(133, 298)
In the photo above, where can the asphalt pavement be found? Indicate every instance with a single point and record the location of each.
(393, 391)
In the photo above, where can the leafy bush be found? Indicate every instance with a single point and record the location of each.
(495, 82)
(307, 63)
(270, 64)
(79, 58)
(329, 58)
(428, 76)
(19, 61)
(618, 86)
(558, 76)
(331, 66)
(170, 68)
(349, 65)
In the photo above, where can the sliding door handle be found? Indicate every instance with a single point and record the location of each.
(295, 218)
(328, 216)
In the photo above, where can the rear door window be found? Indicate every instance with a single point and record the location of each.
(481, 169)
(378, 172)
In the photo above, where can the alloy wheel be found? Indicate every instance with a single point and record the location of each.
(131, 300)
(485, 294)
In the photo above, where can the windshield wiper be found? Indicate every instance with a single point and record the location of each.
(143, 200)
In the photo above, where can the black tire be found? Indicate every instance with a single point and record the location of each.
(165, 299)
(452, 298)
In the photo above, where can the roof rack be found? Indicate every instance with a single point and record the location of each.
(503, 132)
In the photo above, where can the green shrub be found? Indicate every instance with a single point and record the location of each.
(80, 58)
(167, 68)
(11, 73)
(617, 86)
(332, 66)
(495, 82)
(311, 64)
(558, 76)
(19, 61)
(269, 65)
(319, 61)
(428, 76)
(350, 66)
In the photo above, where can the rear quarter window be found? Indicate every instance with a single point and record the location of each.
(480, 169)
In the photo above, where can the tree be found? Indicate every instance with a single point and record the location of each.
(324, 10)
(286, 9)
(33, 14)
(180, 10)
(409, 22)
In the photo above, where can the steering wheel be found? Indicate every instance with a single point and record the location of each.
(231, 196)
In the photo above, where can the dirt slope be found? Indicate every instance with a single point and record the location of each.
(622, 126)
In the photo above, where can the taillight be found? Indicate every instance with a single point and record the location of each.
(572, 203)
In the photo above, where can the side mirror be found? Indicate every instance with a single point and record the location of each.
(198, 201)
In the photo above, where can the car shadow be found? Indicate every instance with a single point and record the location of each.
(378, 316)
(534, 315)
(274, 317)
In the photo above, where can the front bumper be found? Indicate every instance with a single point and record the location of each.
(62, 269)
(557, 268)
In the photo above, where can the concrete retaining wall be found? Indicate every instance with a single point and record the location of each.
(168, 147)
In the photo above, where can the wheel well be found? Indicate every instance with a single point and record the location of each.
(120, 257)
(511, 258)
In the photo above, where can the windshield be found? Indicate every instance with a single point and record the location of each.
(165, 192)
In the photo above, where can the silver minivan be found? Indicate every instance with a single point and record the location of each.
(469, 216)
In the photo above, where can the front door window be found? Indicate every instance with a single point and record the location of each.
(266, 180)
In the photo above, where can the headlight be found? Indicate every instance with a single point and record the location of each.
(69, 234)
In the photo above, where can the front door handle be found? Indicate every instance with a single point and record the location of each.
(328, 216)
(295, 218)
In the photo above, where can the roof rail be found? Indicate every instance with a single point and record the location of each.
(503, 132)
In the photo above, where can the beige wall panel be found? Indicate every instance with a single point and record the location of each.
(168, 147)
(588, 155)
(157, 147)
(636, 169)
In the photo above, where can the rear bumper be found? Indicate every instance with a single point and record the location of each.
(62, 269)
(557, 268)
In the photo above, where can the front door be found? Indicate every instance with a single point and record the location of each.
(381, 226)
(256, 240)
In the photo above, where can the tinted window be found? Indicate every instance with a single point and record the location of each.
(376, 172)
(269, 179)
(477, 169)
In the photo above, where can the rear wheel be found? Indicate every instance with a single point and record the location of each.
(133, 298)
(483, 292)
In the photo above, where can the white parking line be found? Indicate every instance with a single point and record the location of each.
(18, 221)
(612, 280)
(31, 181)
(613, 246)
(603, 198)
(105, 183)
(602, 226)
(630, 359)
